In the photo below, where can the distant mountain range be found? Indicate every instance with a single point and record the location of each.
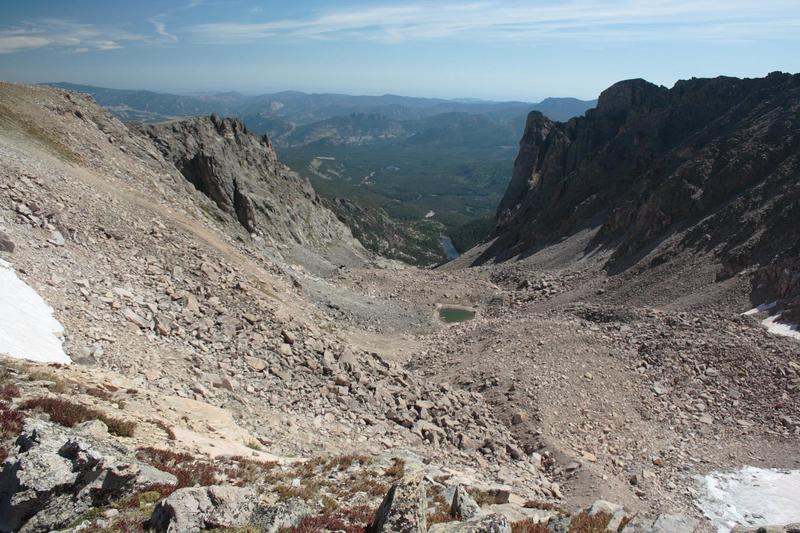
(394, 156)
(302, 108)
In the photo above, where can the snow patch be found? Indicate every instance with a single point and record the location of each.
(771, 322)
(781, 328)
(763, 308)
(750, 497)
(28, 329)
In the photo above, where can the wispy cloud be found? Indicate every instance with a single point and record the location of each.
(69, 36)
(527, 21)
(160, 28)
(159, 21)
(9, 42)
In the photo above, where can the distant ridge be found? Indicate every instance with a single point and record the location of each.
(304, 108)
(388, 160)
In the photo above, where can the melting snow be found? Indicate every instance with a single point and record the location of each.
(763, 308)
(751, 497)
(771, 322)
(780, 328)
(27, 327)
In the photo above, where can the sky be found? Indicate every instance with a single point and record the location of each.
(491, 49)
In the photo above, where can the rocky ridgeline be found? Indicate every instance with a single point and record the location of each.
(708, 167)
(240, 173)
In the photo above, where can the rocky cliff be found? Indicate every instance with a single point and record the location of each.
(711, 165)
(240, 173)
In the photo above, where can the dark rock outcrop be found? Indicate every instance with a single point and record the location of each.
(780, 281)
(6, 244)
(710, 166)
(240, 173)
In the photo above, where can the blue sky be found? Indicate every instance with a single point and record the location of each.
(525, 50)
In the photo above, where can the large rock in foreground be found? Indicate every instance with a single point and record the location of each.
(463, 507)
(55, 476)
(190, 510)
(664, 523)
(403, 508)
(194, 509)
(493, 523)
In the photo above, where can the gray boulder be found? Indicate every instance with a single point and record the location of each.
(282, 515)
(603, 506)
(54, 477)
(95, 429)
(516, 513)
(616, 511)
(664, 523)
(463, 506)
(194, 509)
(493, 523)
(403, 508)
(37, 486)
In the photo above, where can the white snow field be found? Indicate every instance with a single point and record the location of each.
(771, 322)
(763, 308)
(28, 329)
(751, 497)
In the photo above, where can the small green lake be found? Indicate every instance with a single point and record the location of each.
(455, 314)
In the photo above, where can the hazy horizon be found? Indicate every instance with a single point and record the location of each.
(492, 50)
(195, 93)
